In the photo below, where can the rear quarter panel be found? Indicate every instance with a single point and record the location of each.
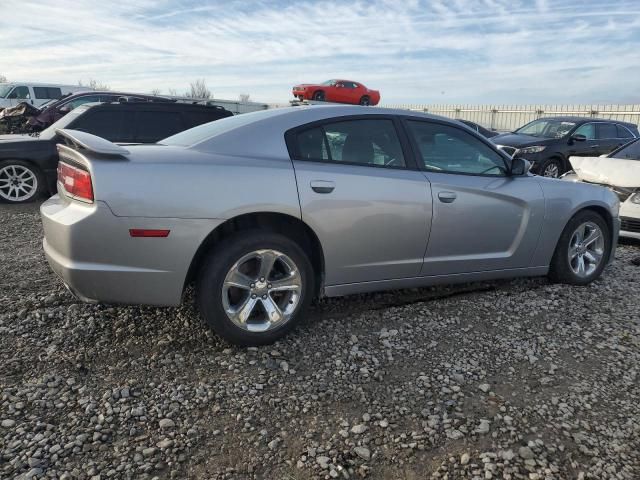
(182, 183)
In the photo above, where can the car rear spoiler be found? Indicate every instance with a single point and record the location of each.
(92, 143)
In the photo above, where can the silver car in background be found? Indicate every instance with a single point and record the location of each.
(267, 210)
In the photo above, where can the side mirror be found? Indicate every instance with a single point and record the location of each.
(520, 166)
(64, 109)
(578, 138)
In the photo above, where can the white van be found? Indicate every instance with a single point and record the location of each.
(35, 93)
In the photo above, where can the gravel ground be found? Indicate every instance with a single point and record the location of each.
(514, 380)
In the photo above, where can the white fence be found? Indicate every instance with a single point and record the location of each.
(510, 117)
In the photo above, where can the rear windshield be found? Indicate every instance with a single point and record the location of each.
(198, 134)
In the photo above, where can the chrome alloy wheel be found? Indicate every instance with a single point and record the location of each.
(551, 170)
(586, 249)
(17, 183)
(262, 290)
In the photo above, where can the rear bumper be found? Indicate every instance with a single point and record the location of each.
(91, 250)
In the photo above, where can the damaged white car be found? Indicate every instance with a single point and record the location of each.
(620, 171)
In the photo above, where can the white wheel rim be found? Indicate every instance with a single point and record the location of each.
(262, 290)
(17, 183)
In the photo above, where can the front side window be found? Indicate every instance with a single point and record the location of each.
(21, 93)
(81, 101)
(367, 142)
(447, 149)
(606, 131)
(588, 130)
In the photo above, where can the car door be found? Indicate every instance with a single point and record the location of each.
(361, 193)
(483, 219)
(584, 148)
(335, 92)
(607, 136)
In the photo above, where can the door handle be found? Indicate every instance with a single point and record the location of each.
(322, 186)
(447, 197)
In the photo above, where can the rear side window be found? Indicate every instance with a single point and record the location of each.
(103, 123)
(607, 130)
(446, 149)
(156, 125)
(365, 142)
(623, 132)
(47, 92)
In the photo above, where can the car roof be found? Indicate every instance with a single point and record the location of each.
(585, 120)
(266, 128)
(153, 106)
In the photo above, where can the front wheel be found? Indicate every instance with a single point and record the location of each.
(551, 167)
(319, 96)
(582, 251)
(255, 287)
(20, 181)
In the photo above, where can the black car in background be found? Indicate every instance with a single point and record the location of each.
(28, 163)
(485, 132)
(549, 142)
(54, 110)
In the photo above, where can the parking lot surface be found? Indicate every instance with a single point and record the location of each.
(520, 379)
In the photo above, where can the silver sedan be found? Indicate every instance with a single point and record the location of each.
(265, 211)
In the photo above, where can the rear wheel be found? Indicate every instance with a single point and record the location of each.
(582, 251)
(255, 287)
(365, 101)
(319, 96)
(20, 181)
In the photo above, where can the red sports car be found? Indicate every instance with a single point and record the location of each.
(339, 91)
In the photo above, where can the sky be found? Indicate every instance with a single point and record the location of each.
(413, 51)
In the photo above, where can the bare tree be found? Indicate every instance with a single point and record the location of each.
(94, 84)
(3, 79)
(244, 97)
(198, 89)
(173, 92)
(156, 91)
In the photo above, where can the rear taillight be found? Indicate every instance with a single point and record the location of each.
(76, 182)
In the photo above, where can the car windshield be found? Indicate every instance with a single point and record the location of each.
(545, 128)
(203, 132)
(630, 151)
(5, 88)
(50, 132)
(329, 83)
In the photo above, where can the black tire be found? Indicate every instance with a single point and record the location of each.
(551, 165)
(39, 183)
(215, 268)
(560, 270)
(365, 101)
(319, 96)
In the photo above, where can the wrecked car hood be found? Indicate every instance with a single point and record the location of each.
(615, 172)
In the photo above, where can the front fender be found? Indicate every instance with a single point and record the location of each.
(563, 199)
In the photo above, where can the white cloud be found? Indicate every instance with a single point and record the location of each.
(481, 52)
